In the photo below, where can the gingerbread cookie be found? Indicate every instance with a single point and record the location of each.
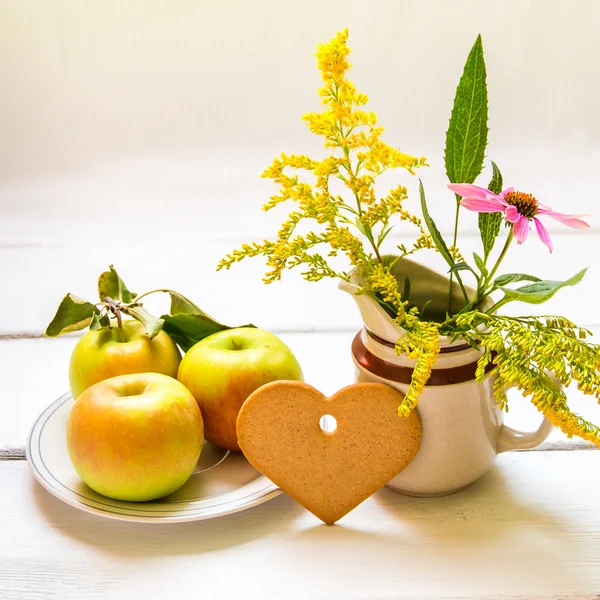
(328, 473)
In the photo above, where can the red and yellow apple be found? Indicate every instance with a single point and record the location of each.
(103, 353)
(223, 369)
(135, 437)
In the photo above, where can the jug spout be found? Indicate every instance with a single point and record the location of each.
(373, 315)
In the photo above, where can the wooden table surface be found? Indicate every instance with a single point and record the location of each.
(530, 528)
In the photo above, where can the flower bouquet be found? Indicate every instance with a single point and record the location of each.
(350, 224)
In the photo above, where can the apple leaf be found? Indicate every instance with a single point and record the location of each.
(150, 323)
(540, 291)
(111, 285)
(99, 322)
(181, 305)
(73, 314)
(95, 322)
(187, 329)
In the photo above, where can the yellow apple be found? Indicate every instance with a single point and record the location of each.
(101, 354)
(223, 369)
(135, 437)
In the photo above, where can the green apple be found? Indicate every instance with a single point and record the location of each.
(223, 369)
(106, 353)
(135, 437)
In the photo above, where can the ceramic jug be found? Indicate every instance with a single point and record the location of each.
(462, 426)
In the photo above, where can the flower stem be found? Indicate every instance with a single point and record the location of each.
(509, 240)
(454, 242)
(352, 175)
(496, 306)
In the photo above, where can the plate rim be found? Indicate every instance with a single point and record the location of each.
(264, 495)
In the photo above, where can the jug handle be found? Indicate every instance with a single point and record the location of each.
(513, 439)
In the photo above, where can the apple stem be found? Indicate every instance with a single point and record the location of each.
(114, 308)
(120, 324)
(152, 292)
(165, 291)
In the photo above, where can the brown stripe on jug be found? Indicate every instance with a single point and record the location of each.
(400, 374)
(389, 344)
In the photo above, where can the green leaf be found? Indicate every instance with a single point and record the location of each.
(73, 314)
(489, 223)
(466, 138)
(480, 264)
(181, 305)
(539, 292)
(406, 291)
(464, 267)
(95, 324)
(423, 308)
(111, 285)
(150, 322)
(360, 226)
(496, 182)
(438, 240)
(509, 278)
(383, 235)
(188, 329)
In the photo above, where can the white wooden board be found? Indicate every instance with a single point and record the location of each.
(530, 529)
(35, 279)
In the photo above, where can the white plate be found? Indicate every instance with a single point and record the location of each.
(222, 483)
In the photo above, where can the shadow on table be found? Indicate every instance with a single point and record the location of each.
(484, 511)
(146, 539)
(469, 529)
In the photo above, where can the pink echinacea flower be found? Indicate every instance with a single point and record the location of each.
(518, 209)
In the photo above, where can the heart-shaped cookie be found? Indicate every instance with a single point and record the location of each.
(328, 473)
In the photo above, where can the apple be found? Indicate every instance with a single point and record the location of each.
(223, 369)
(103, 353)
(135, 437)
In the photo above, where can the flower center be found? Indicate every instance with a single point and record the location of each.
(526, 204)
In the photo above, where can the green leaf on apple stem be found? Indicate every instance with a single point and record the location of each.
(187, 329)
(150, 323)
(95, 323)
(111, 285)
(180, 305)
(73, 314)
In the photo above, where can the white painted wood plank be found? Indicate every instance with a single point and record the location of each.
(34, 374)
(36, 278)
(530, 529)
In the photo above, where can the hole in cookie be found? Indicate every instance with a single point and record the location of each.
(328, 424)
